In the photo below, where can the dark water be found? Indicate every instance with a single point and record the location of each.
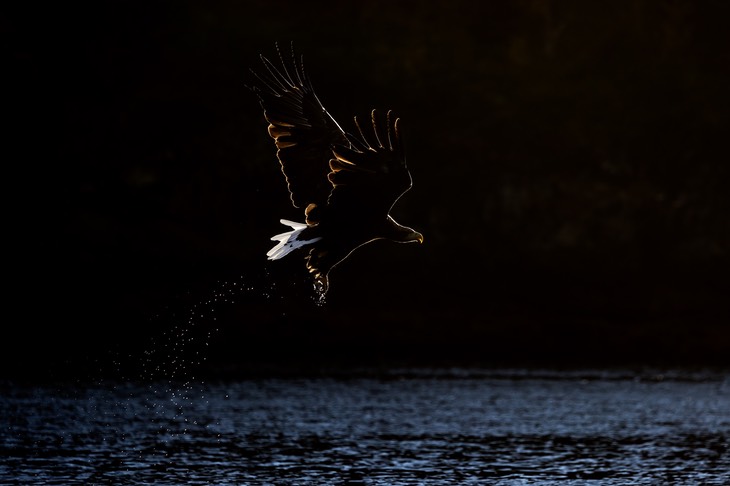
(397, 427)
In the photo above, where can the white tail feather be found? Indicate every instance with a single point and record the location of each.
(289, 241)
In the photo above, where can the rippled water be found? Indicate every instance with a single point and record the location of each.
(397, 427)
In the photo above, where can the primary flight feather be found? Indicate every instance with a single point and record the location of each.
(346, 184)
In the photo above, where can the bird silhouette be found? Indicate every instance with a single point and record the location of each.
(346, 184)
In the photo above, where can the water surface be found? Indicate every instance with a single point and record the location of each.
(385, 428)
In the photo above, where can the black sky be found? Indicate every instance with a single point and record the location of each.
(570, 170)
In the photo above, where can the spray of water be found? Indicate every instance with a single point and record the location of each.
(171, 357)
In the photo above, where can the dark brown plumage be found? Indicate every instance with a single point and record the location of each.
(346, 184)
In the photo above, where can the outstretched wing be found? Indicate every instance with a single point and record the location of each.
(303, 130)
(370, 176)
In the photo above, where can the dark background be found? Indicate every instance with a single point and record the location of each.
(570, 166)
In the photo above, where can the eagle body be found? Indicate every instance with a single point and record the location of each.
(346, 184)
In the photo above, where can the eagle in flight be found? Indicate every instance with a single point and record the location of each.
(346, 184)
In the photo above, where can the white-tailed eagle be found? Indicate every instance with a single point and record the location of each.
(346, 184)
